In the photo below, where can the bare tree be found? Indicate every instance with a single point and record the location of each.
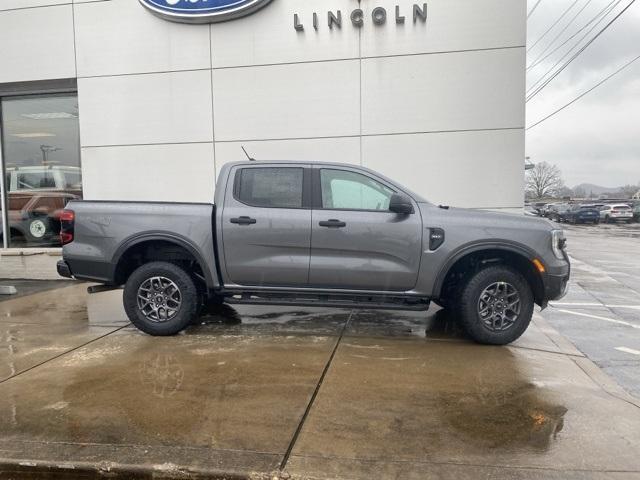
(544, 180)
(628, 191)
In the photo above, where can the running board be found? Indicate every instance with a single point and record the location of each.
(329, 300)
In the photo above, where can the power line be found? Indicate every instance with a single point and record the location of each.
(606, 9)
(551, 27)
(563, 30)
(577, 54)
(570, 51)
(533, 9)
(626, 65)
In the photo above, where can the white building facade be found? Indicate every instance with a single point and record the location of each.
(117, 103)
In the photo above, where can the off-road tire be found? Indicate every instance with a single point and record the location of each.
(187, 311)
(470, 293)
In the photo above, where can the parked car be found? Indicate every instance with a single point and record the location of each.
(616, 212)
(544, 211)
(539, 206)
(557, 212)
(322, 234)
(582, 214)
(635, 206)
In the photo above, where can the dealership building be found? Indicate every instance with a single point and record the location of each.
(146, 100)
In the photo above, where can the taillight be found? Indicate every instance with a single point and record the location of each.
(67, 220)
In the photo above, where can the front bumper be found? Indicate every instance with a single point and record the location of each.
(556, 284)
(63, 269)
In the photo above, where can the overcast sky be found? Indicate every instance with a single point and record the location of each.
(596, 140)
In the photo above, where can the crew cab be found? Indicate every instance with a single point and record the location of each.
(316, 234)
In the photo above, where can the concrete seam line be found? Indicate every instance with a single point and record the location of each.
(63, 353)
(605, 382)
(296, 434)
(563, 343)
(550, 352)
(115, 470)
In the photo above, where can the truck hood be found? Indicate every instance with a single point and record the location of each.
(483, 218)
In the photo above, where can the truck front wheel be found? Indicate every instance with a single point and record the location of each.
(496, 305)
(160, 298)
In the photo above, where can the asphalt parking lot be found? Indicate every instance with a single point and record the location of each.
(288, 392)
(601, 312)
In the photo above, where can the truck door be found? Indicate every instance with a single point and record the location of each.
(357, 243)
(266, 226)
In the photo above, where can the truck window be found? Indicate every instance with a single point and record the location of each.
(342, 189)
(271, 187)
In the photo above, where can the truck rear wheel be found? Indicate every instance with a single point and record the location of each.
(496, 305)
(160, 298)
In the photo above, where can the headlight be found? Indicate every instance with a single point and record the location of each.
(558, 243)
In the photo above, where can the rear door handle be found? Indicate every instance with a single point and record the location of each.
(243, 220)
(333, 223)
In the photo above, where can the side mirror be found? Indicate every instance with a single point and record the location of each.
(400, 204)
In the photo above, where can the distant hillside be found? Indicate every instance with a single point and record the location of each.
(596, 189)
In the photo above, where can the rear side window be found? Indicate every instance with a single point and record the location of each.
(271, 187)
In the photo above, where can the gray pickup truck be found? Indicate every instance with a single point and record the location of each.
(315, 234)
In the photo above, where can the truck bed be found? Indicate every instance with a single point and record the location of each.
(104, 230)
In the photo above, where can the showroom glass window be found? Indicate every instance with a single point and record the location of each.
(41, 159)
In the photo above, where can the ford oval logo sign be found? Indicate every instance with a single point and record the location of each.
(203, 11)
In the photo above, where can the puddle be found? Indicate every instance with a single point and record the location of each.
(510, 419)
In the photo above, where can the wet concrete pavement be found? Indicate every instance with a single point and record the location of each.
(601, 313)
(29, 287)
(308, 393)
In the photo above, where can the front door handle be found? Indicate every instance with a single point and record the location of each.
(333, 223)
(243, 220)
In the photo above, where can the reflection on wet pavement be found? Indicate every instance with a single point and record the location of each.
(23, 346)
(435, 324)
(230, 392)
(459, 403)
(65, 305)
(251, 319)
(42, 326)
